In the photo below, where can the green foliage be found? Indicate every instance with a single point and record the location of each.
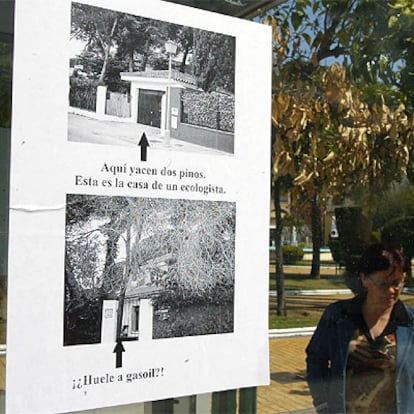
(395, 203)
(298, 321)
(394, 222)
(292, 254)
(400, 231)
(373, 39)
(290, 220)
(304, 282)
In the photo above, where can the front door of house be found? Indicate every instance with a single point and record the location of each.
(149, 107)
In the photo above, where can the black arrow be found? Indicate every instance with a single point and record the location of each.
(144, 144)
(119, 349)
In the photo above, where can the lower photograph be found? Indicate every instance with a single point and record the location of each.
(147, 268)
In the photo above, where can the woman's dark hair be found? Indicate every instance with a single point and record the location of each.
(377, 257)
(381, 256)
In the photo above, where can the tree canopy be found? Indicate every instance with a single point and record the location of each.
(132, 42)
(342, 122)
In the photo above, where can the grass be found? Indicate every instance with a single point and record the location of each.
(302, 312)
(293, 321)
(295, 281)
(306, 311)
(300, 315)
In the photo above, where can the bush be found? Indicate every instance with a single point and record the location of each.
(212, 110)
(292, 254)
(195, 319)
(83, 93)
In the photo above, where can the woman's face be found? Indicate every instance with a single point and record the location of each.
(384, 286)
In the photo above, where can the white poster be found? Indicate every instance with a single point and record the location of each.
(139, 204)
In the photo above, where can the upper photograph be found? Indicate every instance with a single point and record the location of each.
(134, 78)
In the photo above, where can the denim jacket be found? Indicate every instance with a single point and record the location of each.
(327, 355)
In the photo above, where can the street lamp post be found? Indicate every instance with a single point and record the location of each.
(171, 49)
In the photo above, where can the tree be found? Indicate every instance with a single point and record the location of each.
(394, 221)
(214, 60)
(324, 127)
(185, 39)
(131, 38)
(97, 27)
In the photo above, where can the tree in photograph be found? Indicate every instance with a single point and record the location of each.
(83, 270)
(183, 37)
(138, 38)
(97, 27)
(131, 38)
(214, 60)
(111, 241)
(203, 247)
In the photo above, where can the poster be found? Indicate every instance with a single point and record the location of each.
(139, 204)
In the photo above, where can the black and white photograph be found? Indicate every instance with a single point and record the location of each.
(131, 75)
(167, 265)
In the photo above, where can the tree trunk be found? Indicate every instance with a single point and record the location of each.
(71, 285)
(108, 288)
(316, 238)
(280, 276)
(409, 269)
(104, 66)
(145, 55)
(105, 42)
(131, 61)
(184, 59)
(127, 271)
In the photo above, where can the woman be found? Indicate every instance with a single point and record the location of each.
(361, 356)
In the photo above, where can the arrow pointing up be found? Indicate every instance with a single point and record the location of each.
(144, 144)
(119, 349)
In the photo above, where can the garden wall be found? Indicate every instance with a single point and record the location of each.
(212, 110)
(207, 136)
(222, 141)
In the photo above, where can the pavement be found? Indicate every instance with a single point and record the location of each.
(86, 129)
(288, 391)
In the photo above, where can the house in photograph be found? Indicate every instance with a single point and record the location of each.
(188, 114)
(137, 315)
(141, 289)
(138, 311)
(148, 92)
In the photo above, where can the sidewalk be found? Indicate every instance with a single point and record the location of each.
(288, 391)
